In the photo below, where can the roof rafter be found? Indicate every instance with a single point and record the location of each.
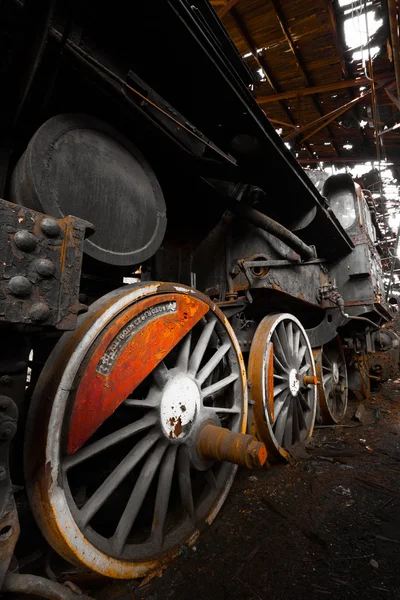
(245, 35)
(300, 64)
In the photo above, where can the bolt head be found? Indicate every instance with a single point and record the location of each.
(7, 430)
(20, 286)
(39, 312)
(50, 227)
(24, 240)
(44, 267)
(4, 402)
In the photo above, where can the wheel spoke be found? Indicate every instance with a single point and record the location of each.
(184, 353)
(279, 351)
(151, 401)
(224, 411)
(280, 422)
(280, 377)
(213, 363)
(137, 496)
(288, 434)
(289, 334)
(296, 342)
(160, 374)
(324, 355)
(109, 440)
(327, 377)
(185, 483)
(279, 403)
(280, 364)
(219, 385)
(108, 486)
(279, 388)
(300, 356)
(163, 493)
(296, 424)
(304, 369)
(303, 402)
(300, 416)
(281, 334)
(201, 346)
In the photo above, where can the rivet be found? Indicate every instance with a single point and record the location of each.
(7, 430)
(50, 227)
(25, 240)
(39, 312)
(44, 267)
(4, 402)
(20, 286)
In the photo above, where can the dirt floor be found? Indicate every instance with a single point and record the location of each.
(327, 525)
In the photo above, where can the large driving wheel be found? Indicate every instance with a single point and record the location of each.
(332, 381)
(282, 380)
(113, 469)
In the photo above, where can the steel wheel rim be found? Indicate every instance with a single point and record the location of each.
(284, 405)
(332, 381)
(167, 448)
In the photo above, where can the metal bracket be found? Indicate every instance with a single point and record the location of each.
(40, 268)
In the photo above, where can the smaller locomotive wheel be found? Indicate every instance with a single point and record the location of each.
(282, 380)
(113, 469)
(331, 368)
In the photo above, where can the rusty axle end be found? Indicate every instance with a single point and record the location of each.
(310, 380)
(217, 443)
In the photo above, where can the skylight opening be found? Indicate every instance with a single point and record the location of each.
(355, 29)
(364, 54)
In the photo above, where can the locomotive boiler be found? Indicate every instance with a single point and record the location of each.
(177, 298)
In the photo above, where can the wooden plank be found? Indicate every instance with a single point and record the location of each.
(315, 89)
(221, 12)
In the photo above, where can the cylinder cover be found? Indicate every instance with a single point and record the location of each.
(78, 165)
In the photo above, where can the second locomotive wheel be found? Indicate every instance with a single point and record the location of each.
(114, 470)
(332, 381)
(282, 381)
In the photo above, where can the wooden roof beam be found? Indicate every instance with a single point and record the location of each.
(299, 61)
(337, 41)
(244, 33)
(225, 8)
(315, 89)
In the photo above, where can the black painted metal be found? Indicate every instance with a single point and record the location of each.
(78, 165)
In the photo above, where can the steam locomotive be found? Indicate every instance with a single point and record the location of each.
(133, 155)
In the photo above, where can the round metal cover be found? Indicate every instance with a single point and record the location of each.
(77, 165)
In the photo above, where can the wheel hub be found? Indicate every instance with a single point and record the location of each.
(294, 383)
(179, 407)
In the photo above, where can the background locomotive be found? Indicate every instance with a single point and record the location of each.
(136, 412)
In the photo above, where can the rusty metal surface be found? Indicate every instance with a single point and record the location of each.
(132, 347)
(40, 267)
(9, 534)
(44, 465)
(217, 443)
